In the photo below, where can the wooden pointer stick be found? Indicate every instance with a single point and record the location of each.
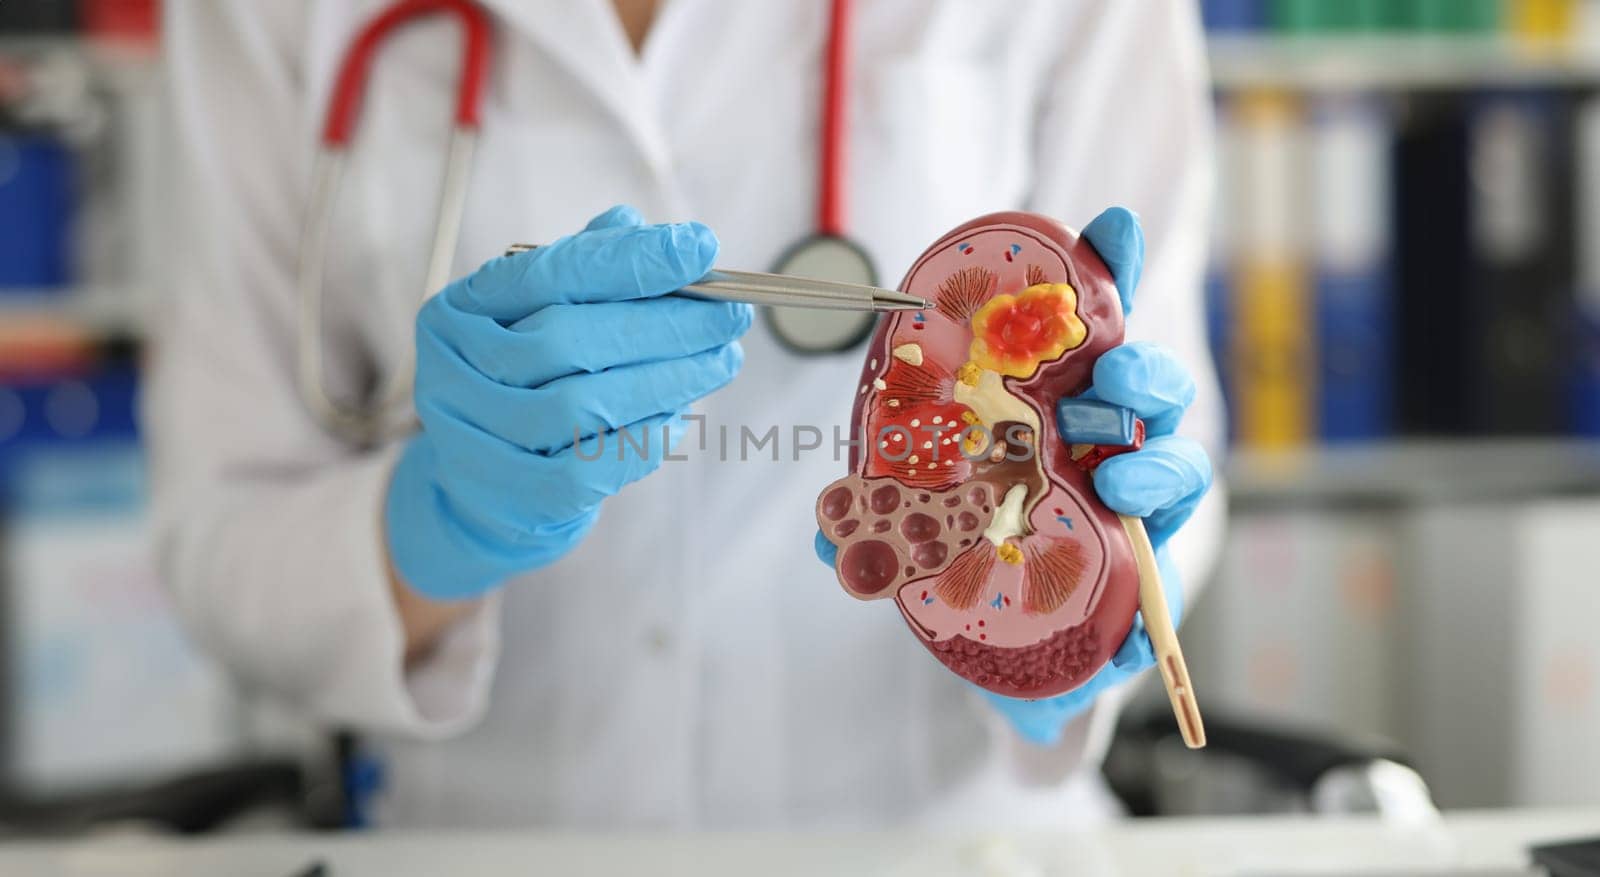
(1158, 623)
(1106, 427)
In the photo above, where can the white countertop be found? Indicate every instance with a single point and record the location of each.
(1468, 842)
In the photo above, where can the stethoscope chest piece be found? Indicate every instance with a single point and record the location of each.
(813, 331)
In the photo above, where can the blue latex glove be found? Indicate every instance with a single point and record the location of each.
(1162, 482)
(516, 359)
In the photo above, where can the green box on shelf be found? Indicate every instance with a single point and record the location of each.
(1352, 16)
(1439, 16)
(1326, 16)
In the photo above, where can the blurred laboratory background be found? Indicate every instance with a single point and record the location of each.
(1405, 311)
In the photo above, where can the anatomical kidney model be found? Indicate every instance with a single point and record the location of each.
(963, 502)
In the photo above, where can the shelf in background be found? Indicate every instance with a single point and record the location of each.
(1415, 471)
(1361, 62)
(99, 310)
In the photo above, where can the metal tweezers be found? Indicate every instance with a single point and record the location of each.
(781, 289)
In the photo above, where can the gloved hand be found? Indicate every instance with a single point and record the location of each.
(1162, 482)
(530, 350)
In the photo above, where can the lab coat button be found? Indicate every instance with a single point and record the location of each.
(659, 639)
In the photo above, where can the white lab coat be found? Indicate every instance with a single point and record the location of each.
(690, 664)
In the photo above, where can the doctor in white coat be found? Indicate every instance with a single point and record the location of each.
(674, 656)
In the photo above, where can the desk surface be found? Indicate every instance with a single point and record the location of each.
(1468, 842)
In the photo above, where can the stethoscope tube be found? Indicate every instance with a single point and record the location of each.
(829, 253)
(835, 122)
(385, 414)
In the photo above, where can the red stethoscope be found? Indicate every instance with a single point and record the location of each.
(827, 253)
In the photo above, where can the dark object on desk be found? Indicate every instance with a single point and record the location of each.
(192, 804)
(1579, 858)
(315, 869)
(1252, 766)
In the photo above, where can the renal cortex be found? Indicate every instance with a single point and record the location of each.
(963, 504)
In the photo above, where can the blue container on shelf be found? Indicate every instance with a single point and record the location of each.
(1222, 16)
(36, 208)
(89, 411)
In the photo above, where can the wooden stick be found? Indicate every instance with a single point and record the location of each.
(1158, 623)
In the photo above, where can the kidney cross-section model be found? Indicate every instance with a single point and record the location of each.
(963, 503)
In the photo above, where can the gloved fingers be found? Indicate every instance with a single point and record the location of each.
(518, 542)
(587, 404)
(1148, 378)
(548, 418)
(827, 552)
(451, 550)
(525, 494)
(606, 264)
(1161, 482)
(586, 474)
(567, 339)
(563, 340)
(1117, 236)
(1137, 652)
(544, 492)
(617, 216)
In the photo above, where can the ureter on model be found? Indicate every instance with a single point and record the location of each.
(1163, 636)
(993, 404)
